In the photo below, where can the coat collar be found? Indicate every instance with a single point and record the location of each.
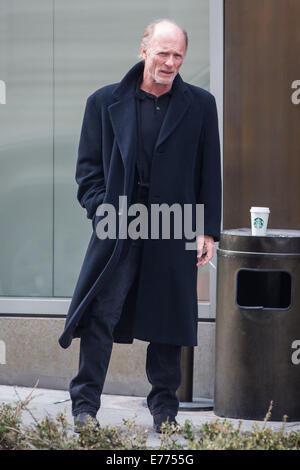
(127, 86)
(123, 112)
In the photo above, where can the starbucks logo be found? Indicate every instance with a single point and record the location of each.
(258, 222)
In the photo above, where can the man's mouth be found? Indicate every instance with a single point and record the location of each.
(166, 72)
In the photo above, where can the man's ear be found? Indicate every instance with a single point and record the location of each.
(143, 52)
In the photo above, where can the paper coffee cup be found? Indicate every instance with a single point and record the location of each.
(259, 220)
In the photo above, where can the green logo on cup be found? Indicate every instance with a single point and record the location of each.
(258, 222)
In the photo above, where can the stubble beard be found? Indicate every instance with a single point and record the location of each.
(160, 81)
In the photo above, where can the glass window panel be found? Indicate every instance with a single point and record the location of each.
(26, 148)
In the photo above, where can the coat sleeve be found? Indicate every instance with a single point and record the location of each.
(89, 169)
(210, 187)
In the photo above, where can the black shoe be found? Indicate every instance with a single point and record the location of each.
(81, 419)
(159, 419)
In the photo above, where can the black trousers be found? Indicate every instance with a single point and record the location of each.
(162, 361)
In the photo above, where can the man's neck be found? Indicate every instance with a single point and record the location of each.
(156, 89)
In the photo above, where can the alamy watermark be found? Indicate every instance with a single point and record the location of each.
(295, 97)
(2, 92)
(166, 221)
(295, 358)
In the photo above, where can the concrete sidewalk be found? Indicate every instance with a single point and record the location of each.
(113, 409)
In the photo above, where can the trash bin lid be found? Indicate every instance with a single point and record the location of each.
(275, 241)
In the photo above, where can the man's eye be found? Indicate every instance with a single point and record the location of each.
(164, 54)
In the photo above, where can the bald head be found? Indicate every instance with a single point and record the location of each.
(160, 27)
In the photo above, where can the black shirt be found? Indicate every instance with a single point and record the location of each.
(151, 111)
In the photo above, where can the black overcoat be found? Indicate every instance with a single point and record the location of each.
(162, 305)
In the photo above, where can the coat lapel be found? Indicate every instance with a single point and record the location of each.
(124, 123)
(123, 115)
(177, 108)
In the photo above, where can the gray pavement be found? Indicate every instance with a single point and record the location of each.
(113, 409)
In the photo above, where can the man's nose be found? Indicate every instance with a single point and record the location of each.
(170, 61)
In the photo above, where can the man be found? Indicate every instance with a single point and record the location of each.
(152, 138)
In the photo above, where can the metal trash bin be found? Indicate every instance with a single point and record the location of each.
(258, 325)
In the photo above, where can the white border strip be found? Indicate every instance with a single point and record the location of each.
(216, 46)
(34, 306)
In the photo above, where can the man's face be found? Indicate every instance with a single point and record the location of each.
(164, 56)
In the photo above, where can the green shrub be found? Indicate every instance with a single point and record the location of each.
(57, 434)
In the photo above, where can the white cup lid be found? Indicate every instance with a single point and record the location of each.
(260, 209)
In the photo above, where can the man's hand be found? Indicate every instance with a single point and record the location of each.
(205, 249)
